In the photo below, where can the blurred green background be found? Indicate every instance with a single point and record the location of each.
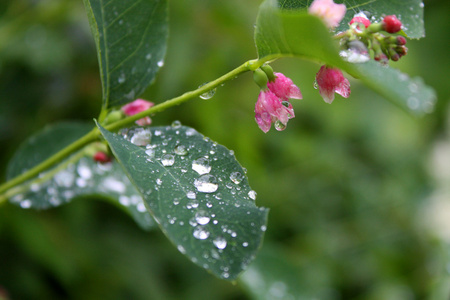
(359, 191)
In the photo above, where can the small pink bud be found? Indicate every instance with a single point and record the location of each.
(101, 157)
(391, 24)
(401, 40)
(284, 88)
(330, 12)
(361, 20)
(331, 80)
(137, 106)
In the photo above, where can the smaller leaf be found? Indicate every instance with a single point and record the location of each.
(83, 178)
(131, 37)
(197, 192)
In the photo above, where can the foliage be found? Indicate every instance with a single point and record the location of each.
(339, 187)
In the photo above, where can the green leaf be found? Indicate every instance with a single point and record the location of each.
(410, 12)
(81, 178)
(281, 33)
(197, 192)
(131, 37)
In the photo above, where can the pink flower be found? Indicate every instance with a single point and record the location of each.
(331, 80)
(360, 20)
(138, 106)
(271, 109)
(284, 88)
(330, 12)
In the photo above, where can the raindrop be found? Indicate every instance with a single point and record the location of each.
(181, 249)
(279, 125)
(206, 184)
(236, 177)
(413, 103)
(160, 63)
(124, 200)
(158, 181)
(252, 195)
(141, 137)
(148, 56)
(141, 207)
(121, 78)
(191, 132)
(209, 94)
(193, 222)
(200, 233)
(176, 201)
(315, 84)
(202, 217)
(220, 242)
(244, 244)
(84, 171)
(150, 153)
(180, 150)
(191, 195)
(176, 124)
(201, 165)
(167, 160)
(263, 228)
(114, 185)
(25, 203)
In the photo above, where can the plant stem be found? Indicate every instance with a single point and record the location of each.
(94, 134)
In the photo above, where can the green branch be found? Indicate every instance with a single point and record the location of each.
(94, 134)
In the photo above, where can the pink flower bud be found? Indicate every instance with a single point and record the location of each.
(401, 40)
(391, 24)
(138, 106)
(101, 157)
(361, 20)
(331, 80)
(284, 88)
(270, 109)
(330, 12)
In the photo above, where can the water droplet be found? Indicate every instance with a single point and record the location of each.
(167, 160)
(201, 165)
(315, 84)
(191, 132)
(202, 217)
(413, 103)
(150, 153)
(141, 137)
(263, 228)
(200, 233)
(220, 242)
(121, 78)
(141, 207)
(279, 125)
(206, 184)
(181, 249)
(84, 171)
(413, 87)
(180, 150)
(160, 63)
(176, 124)
(25, 203)
(148, 56)
(244, 244)
(158, 181)
(124, 200)
(191, 195)
(252, 195)
(209, 94)
(225, 275)
(114, 185)
(236, 177)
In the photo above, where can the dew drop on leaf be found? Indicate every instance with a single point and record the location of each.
(180, 150)
(236, 177)
(191, 195)
(252, 195)
(200, 233)
(176, 124)
(209, 94)
(206, 184)
(167, 160)
(220, 242)
(202, 217)
(201, 165)
(141, 137)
